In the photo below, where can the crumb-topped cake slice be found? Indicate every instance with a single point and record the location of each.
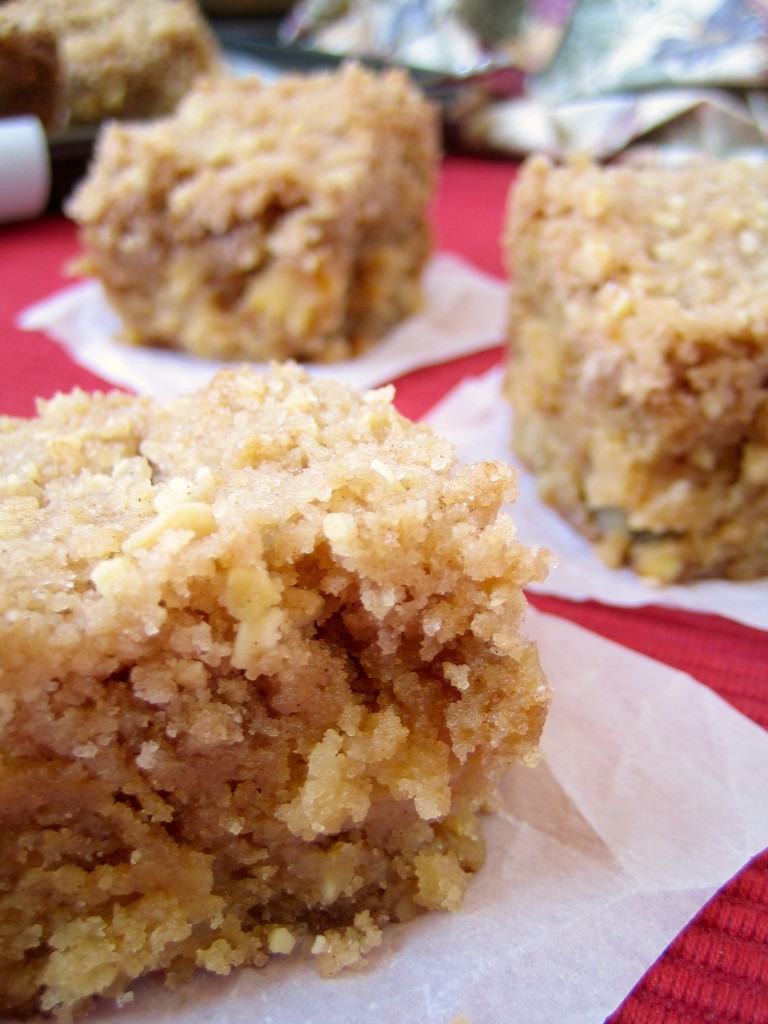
(266, 221)
(31, 80)
(119, 59)
(260, 670)
(638, 367)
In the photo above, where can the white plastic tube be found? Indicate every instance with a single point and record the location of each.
(25, 168)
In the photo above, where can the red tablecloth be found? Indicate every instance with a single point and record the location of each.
(717, 969)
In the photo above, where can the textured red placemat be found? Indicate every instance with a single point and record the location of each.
(32, 261)
(716, 971)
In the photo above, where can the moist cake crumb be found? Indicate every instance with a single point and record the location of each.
(261, 668)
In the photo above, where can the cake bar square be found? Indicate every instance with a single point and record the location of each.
(261, 667)
(31, 81)
(282, 221)
(118, 59)
(638, 358)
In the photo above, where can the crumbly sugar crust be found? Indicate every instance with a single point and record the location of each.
(260, 670)
(122, 59)
(282, 221)
(638, 366)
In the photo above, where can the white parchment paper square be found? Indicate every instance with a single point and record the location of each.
(652, 795)
(476, 417)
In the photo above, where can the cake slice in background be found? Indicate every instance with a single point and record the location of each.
(638, 362)
(266, 221)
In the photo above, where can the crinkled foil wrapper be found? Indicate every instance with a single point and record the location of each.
(563, 76)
